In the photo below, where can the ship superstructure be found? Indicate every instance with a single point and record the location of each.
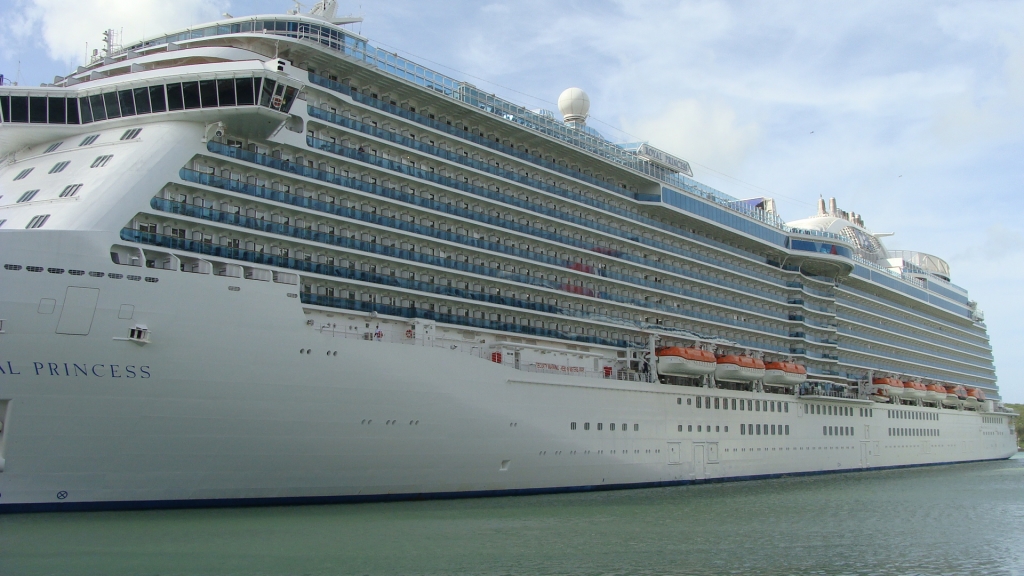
(264, 242)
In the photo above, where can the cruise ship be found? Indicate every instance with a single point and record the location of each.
(261, 261)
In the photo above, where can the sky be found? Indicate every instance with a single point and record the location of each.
(909, 113)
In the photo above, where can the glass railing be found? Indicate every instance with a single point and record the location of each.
(257, 224)
(897, 355)
(691, 186)
(339, 180)
(846, 329)
(526, 181)
(920, 372)
(881, 311)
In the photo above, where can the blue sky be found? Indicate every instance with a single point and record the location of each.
(908, 113)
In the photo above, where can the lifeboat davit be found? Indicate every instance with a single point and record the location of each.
(784, 374)
(732, 368)
(914, 390)
(880, 395)
(691, 362)
(935, 393)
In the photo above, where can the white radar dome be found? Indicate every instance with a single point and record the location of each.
(574, 104)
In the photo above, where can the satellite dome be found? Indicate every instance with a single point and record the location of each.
(574, 104)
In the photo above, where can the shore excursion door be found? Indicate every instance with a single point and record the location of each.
(673, 452)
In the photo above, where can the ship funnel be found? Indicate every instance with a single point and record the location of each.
(833, 210)
(821, 206)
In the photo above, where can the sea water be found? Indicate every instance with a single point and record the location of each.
(959, 519)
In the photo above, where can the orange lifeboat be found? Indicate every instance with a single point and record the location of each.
(896, 387)
(935, 393)
(914, 390)
(951, 396)
(689, 362)
(784, 374)
(974, 396)
(735, 368)
(883, 384)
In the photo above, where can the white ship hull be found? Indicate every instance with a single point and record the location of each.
(224, 409)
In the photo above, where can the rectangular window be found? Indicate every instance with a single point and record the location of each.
(37, 109)
(21, 175)
(733, 403)
(773, 429)
(190, 94)
(267, 93)
(743, 429)
(824, 430)
(70, 190)
(226, 92)
(101, 161)
(98, 111)
(785, 405)
(787, 429)
(636, 427)
(707, 402)
(19, 109)
(27, 196)
(175, 98)
(52, 147)
(600, 426)
(86, 109)
(611, 427)
(716, 404)
(5, 108)
(157, 98)
(758, 429)
(73, 111)
(572, 426)
(772, 405)
(680, 428)
(586, 425)
(88, 140)
(757, 406)
(113, 108)
(127, 101)
(742, 404)
(208, 93)
(244, 91)
(57, 113)
(59, 167)
(698, 397)
(750, 404)
(141, 97)
(37, 221)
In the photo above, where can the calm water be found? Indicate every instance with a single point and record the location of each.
(965, 519)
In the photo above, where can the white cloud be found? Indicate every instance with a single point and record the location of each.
(707, 133)
(66, 27)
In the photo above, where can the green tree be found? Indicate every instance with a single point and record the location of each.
(1020, 423)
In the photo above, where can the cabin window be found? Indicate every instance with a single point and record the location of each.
(611, 427)
(572, 426)
(734, 404)
(716, 404)
(636, 427)
(689, 401)
(689, 428)
(586, 425)
(680, 428)
(787, 429)
(698, 402)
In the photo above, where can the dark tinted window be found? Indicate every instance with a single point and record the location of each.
(226, 92)
(142, 101)
(113, 109)
(243, 87)
(175, 100)
(190, 92)
(208, 93)
(98, 112)
(37, 108)
(268, 91)
(57, 111)
(19, 108)
(289, 97)
(127, 101)
(157, 99)
(85, 109)
(5, 108)
(72, 110)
